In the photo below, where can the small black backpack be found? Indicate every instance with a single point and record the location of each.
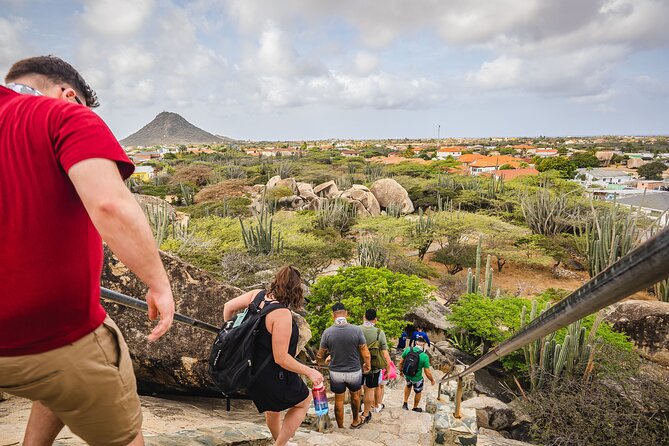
(231, 359)
(411, 362)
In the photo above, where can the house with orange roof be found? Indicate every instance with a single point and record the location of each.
(350, 153)
(469, 158)
(510, 174)
(492, 163)
(445, 152)
(546, 153)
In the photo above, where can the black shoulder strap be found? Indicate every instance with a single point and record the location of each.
(253, 306)
(378, 333)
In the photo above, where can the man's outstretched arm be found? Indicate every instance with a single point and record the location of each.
(123, 226)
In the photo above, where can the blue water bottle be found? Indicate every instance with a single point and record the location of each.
(320, 400)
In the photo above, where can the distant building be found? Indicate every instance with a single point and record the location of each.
(546, 153)
(350, 153)
(144, 173)
(510, 174)
(651, 185)
(445, 152)
(492, 163)
(655, 204)
(601, 177)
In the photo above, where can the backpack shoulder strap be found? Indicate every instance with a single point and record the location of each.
(378, 333)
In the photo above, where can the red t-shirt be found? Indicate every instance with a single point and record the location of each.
(50, 252)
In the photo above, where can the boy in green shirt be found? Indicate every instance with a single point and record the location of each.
(415, 380)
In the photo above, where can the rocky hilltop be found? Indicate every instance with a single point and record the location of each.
(169, 128)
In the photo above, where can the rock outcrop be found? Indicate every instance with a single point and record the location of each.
(388, 191)
(328, 189)
(177, 362)
(647, 325)
(363, 199)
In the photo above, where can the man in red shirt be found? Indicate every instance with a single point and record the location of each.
(61, 192)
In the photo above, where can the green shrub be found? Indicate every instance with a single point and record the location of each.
(228, 207)
(360, 288)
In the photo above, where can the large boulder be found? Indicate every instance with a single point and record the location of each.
(388, 191)
(305, 191)
(291, 203)
(289, 183)
(647, 325)
(432, 317)
(177, 362)
(368, 204)
(328, 189)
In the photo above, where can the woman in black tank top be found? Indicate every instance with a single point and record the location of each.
(279, 386)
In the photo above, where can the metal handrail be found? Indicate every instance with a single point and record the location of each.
(131, 302)
(141, 305)
(638, 270)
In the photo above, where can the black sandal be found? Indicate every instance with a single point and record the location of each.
(357, 426)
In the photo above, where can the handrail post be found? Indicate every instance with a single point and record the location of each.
(439, 392)
(458, 399)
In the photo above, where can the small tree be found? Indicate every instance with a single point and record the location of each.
(456, 256)
(585, 160)
(360, 288)
(652, 171)
(563, 165)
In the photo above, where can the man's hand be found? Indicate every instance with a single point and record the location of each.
(161, 304)
(366, 367)
(432, 381)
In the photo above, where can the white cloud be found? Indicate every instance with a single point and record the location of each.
(116, 18)
(12, 43)
(365, 63)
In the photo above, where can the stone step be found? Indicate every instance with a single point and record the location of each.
(240, 434)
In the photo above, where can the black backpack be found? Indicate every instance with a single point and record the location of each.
(231, 359)
(411, 362)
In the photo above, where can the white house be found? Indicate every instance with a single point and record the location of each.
(600, 177)
(445, 152)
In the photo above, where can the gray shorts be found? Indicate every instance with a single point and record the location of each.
(340, 381)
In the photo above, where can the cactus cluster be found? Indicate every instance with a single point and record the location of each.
(372, 252)
(159, 220)
(546, 213)
(284, 170)
(394, 210)
(336, 213)
(444, 204)
(261, 239)
(187, 194)
(423, 232)
(611, 234)
(373, 172)
(234, 171)
(661, 290)
(546, 359)
(490, 188)
(473, 279)
(344, 182)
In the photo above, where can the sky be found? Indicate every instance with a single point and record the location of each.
(362, 69)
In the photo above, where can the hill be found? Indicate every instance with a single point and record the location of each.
(169, 128)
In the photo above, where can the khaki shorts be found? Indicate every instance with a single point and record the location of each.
(89, 385)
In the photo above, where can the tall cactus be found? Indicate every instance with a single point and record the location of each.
(546, 359)
(261, 239)
(473, 280)
(546, 213)
(423, 233)
(611, 234)
(371, 252)
(159, 220)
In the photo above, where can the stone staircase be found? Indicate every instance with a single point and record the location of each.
(393, 426)
(191, 421)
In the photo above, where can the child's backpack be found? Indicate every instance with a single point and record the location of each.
(231, 363)
(411, 362)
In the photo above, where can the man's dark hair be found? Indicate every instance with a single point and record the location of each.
(55, 70)
(370, 314)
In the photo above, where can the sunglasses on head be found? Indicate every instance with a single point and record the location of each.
(24, 89)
